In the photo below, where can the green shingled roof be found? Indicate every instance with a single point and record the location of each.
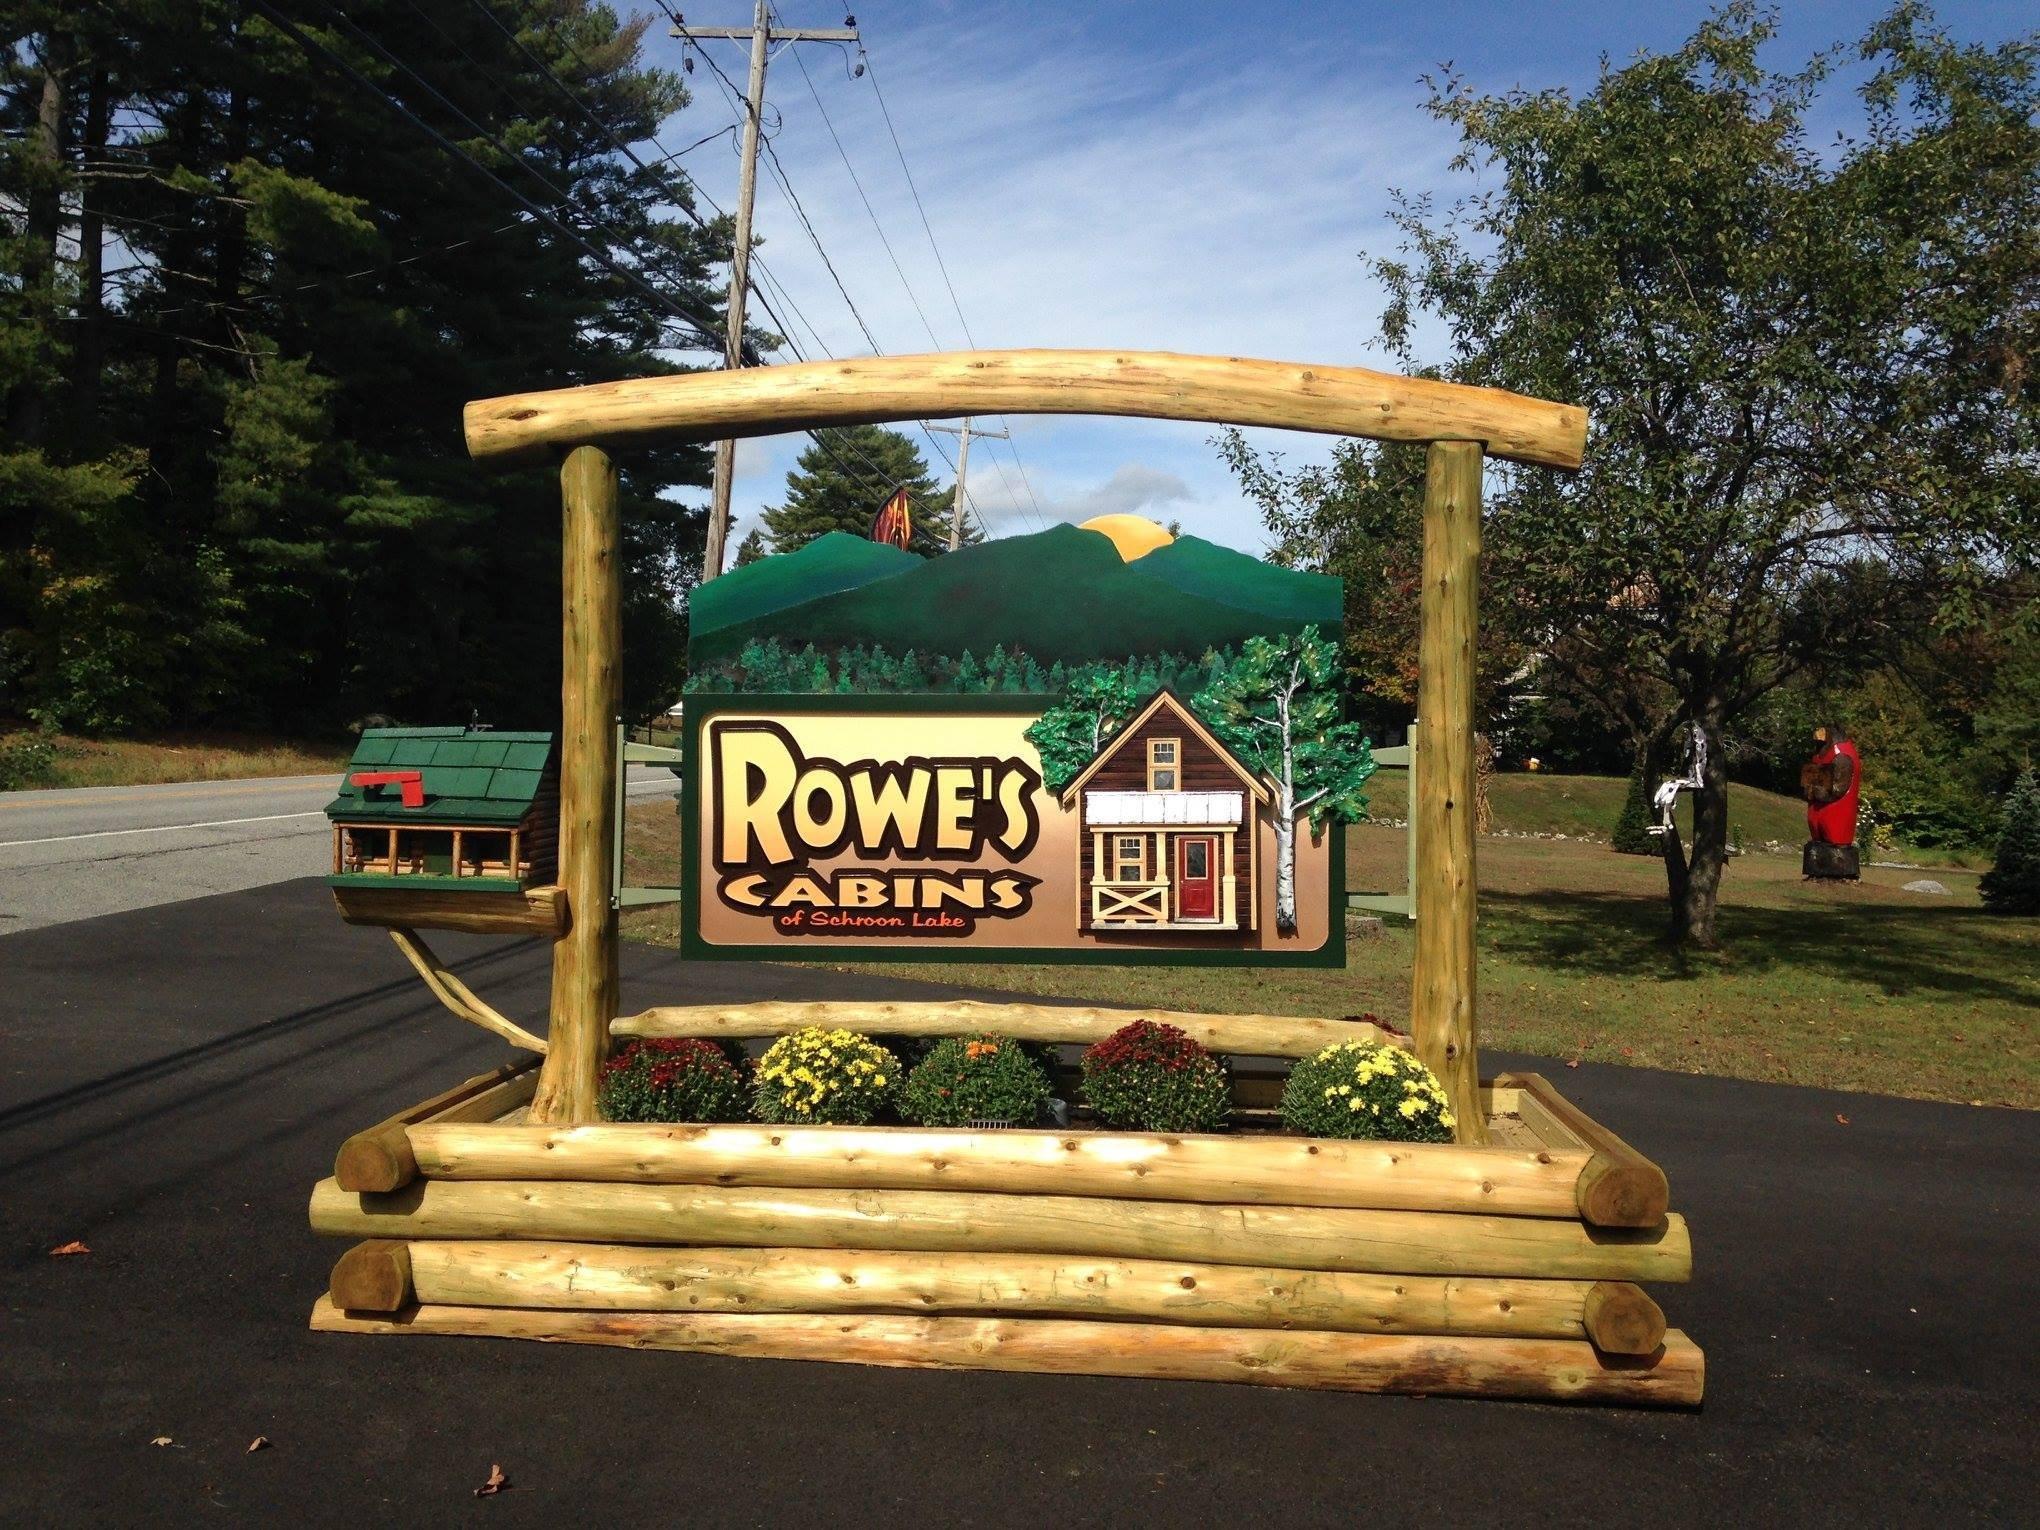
(470, 776)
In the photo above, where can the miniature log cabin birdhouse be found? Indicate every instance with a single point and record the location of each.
(430, 812)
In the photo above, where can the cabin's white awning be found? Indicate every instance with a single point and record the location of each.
(1123, 810)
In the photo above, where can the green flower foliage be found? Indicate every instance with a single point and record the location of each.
(1359, 1090)
(672, 1079)
(975, 1078)
(2012, 885)
(1153, 1078)
(820, 1077)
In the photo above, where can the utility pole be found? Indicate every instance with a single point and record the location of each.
(963, 434)
(761, 34)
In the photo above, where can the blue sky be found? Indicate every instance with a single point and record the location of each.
(1192, 177)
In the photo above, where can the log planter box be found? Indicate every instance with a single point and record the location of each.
(1513, 1269)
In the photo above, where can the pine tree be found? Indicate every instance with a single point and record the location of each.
(232, 488)
(752, 548)
(1632, 836)
(2012, 885)
(843, 478)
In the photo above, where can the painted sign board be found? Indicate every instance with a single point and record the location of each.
(860, 780)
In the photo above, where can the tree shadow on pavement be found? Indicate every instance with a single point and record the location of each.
(1957, 952)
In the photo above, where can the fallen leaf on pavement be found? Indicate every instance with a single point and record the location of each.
(73, 1247)
(162, 1439)
(1572, 1062)
(260, 1442)
(1840, 1119)
(496, 1483)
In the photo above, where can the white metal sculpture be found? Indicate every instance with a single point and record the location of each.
(1667, 795)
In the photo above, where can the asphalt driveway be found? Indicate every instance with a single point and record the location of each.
(173, 1079)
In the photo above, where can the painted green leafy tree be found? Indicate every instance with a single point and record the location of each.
(1096, 704)
(1277, 708)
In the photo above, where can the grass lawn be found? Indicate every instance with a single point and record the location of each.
(183, 757)
(1851, 986)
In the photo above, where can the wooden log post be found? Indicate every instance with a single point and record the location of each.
(585, 981)
(380, 1158)
(1238, 1169)
(374, 1276)
(1255, 1035)
(938, 1221)
(1442, 990)
(1552, 1370)
(1621, 1319)
(611, 1277)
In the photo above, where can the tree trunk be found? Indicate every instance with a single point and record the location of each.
(1693, 879)
(1285, 869)
(88, 351)
(42, 213)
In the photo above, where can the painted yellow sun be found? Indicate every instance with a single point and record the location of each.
(1134, 535)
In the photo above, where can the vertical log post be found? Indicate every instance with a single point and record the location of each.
(584, 984)
(1441, 993)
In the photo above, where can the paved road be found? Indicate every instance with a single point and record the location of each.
(68, 855)
(173, 1080)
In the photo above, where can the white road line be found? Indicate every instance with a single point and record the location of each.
(163, 828)
(640, 789)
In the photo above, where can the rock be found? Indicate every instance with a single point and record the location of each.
(1928, 886)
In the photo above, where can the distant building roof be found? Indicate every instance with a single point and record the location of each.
(471, 776)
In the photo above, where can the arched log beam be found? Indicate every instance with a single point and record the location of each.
(1230, 390)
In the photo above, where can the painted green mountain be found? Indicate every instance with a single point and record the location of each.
(1198, 567)
(1060, 594)
(832, 562)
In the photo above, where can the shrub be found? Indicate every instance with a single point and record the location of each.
(1632, 834)
(672, 1078)
(823, 1077)
(26, 760)
(975, 1078)
(2012, 885)
(1154, 1078)
(1359, 1089)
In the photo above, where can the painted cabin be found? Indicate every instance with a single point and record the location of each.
(447, 810)
(1167, 829)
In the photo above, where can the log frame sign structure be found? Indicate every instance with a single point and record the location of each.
(1505, 1263)
(1461, 425)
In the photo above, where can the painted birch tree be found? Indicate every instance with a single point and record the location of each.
(1277, 708)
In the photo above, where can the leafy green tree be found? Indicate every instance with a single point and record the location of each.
(1277, 708)
(844, 477)
(2012, 885)
(751, 549)
(1097, 701)
(1805, 364)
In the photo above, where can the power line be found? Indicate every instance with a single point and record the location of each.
(942, 265)
(912, 297)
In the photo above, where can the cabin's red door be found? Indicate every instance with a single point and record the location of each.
(1196, 877)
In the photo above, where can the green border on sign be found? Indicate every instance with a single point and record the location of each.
(702, 706)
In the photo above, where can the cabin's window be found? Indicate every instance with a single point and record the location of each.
(1128, 860)
(1163, 754)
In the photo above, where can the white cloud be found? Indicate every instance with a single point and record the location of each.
(1088, 196)
(1133, 489)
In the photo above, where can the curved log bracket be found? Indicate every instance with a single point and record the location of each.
(462, 1000)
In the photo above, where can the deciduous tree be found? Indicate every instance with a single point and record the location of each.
(1813, 428)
